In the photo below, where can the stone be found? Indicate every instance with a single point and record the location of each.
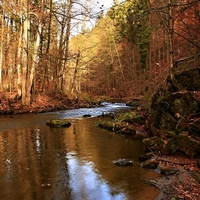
(167, 171)
(86, 115)
(123, 162)
(56, 123)
(150, 164)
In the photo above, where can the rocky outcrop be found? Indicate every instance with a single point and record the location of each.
(174, 118)
(173, 111)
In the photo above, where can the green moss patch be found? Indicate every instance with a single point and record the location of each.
(184, 144)
(56, 123)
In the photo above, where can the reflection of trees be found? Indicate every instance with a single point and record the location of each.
(30, 159)
(99, 147)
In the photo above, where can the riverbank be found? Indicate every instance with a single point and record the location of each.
(180, 179)
(181, 185)
(42, 103)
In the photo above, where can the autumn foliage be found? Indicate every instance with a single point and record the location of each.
(126, 53)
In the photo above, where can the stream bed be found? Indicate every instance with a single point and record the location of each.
(76, 163)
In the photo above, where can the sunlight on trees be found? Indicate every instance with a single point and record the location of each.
(52, 47)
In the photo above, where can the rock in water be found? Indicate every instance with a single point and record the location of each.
(87, 115)
(123, 162)
(56, 123)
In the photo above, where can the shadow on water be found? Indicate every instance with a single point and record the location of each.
(38, 162)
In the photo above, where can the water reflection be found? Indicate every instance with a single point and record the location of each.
(40, 163)
(85, 183)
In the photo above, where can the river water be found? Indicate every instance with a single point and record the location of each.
(75, 163)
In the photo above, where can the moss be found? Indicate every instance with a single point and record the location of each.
(55, 123)
(195, 176)
(139, 119)
(154, 143)
(130, 117)
(120, 127)
(184, 144)
(105, 124)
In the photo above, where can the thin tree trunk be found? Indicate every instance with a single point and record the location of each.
(1, 48)
(19, 72)
(171, 30)
(25, 97)
(69, 13)
(35, 60)
(47, 68)
(75, 72)
(120, 65)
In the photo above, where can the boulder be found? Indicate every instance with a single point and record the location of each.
(56, 123)
(184, 144)
(174, 103)
(174, 116)
(123, 162)
(150, 164)
(86, 115)
(171, 112)
(167, 171)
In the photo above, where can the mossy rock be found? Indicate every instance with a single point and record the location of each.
(194, 128)
(195, 176)
(105, 124)
(189, 79)
(123, 162)
(153, 143)
(130, 129)
(184, 144)
(163, 114)
(167, 171)
(150, 164)
(119, 127)
(56, 123)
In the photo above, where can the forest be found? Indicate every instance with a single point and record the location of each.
(77, 48)
(56, 55)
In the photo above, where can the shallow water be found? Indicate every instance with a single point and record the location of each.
(38, 162)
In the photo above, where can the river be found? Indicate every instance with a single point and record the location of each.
(75, 163)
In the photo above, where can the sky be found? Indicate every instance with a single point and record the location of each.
(97, 6)
(107, 3)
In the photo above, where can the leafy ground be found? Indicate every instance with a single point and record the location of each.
(183, 185)
(40, 103)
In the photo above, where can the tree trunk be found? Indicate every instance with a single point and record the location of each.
(18, 63)
(25, 95)
(171, 31)
(1, 48)
(35, 59)
(75, 72)
(69, 13)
